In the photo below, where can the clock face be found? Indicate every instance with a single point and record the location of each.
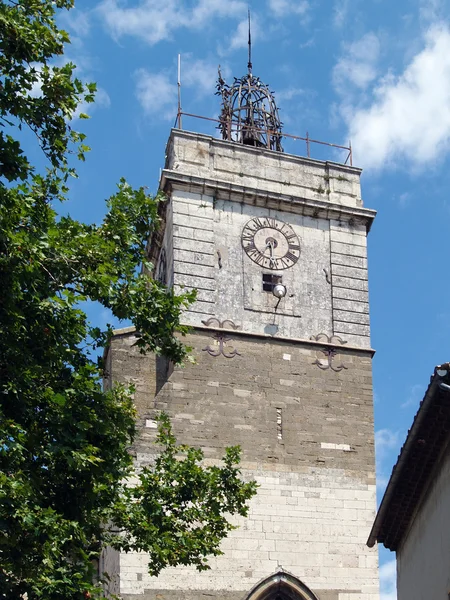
(270, 243)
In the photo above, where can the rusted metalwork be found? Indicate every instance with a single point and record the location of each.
(221, 338)
(336, 340)
(249, 113)
(179, 112)
(309, 140)
(329, 352)
(228, 323)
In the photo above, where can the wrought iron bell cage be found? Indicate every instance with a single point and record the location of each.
(249, 113)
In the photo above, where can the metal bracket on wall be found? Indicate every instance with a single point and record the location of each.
(221, 338)
(329, 352)
(228, 323)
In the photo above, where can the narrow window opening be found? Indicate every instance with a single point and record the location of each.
(269, 281)
(279, 425)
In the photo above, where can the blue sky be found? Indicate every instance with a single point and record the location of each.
(373, 71)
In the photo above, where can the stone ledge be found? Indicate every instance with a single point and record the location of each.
(235, 333)
(224, 190)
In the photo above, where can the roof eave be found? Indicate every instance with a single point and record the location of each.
(405, 454)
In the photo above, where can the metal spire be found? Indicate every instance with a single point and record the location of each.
(249, 45)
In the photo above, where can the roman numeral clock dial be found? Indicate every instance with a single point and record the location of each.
(270, 243)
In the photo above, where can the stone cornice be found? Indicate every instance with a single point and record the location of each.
(263, 336)
(223, 190)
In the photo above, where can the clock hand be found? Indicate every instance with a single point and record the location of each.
(269, 247)
(273, 262)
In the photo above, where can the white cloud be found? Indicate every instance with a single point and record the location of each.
(199, 73)
(36, 88)
(288, 94)
(404, 200)
(432, 11)
(358, 65)
(309, 42)
(341, 10)
(76, 21)
(102, 100)
(385, 441)
(282, 8)
(416, 391)
(386, 448)
(156, 20)
(206, 10)
(156, 93)
(240, 37)
(388, 580)
(84, 71)
(408, 117)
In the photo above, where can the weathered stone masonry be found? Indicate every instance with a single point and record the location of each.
(315, 503)
(291, 384)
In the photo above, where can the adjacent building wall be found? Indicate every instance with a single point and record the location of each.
(423, 560)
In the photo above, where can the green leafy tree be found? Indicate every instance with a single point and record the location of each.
(64, 442)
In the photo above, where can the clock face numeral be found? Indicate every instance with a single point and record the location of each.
(270, 243)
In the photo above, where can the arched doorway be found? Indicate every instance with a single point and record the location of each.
(281, 586)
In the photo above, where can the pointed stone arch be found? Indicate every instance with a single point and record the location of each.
(281, 586)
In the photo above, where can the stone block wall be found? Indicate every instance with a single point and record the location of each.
(349, 282)
(290, 381)
(327, 289)
(306, 434)
(199, 155)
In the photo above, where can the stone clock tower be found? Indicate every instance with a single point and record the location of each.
(275, 244)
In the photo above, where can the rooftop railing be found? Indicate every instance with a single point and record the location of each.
(240, 133)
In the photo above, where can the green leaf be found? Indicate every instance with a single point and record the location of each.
(59, 399)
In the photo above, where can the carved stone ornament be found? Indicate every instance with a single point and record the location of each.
(221, 338)
(329, 352)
